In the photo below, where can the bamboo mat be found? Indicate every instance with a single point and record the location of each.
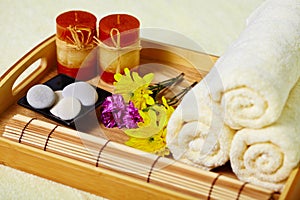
(150, 168)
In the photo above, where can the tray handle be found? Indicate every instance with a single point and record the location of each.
(44, 51)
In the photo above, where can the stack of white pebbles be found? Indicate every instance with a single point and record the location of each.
(65, 104)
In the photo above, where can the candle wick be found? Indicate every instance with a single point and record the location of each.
(76, 17)
(118, 19)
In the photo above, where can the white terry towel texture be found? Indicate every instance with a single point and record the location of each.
(195, 135)
(247, 87)
(267, 156)
(260, 68)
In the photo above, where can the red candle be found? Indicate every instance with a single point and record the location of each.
(127, 25)
(75, 31)
(119, 35)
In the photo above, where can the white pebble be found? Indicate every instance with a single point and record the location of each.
(59, 97)
(40, 96)
(83, 91)
(67, 108)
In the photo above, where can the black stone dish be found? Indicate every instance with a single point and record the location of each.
(58, 83)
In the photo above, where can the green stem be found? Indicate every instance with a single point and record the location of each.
(174, 100)
(157, 88)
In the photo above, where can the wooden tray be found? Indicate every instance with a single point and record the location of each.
(74, 173)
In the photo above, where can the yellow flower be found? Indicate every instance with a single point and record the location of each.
(150, 136)
(153, 124)
(169, 109)
(141, 98)
(154, 120)
(155, 144)
(132, 86)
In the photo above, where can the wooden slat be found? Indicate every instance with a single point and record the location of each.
(152, 169)
(79, 175)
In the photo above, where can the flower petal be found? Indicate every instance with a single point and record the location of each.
(145, 131)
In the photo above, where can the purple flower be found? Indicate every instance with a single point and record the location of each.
(115, 112)
(110, 108)
(130, 118)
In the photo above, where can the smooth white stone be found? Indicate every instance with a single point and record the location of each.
(83, 91)
(67, 108)
(40, 96)
(59, 97)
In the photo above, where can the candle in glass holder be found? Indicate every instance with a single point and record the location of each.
(119, 45)
(75, 32)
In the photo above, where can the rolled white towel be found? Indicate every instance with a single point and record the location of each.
(195, 133)
(250, 82)
(260, 68)
(267, 156)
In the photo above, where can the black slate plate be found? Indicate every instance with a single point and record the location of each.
(58, 83)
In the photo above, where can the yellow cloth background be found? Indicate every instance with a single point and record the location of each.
(212, 25)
